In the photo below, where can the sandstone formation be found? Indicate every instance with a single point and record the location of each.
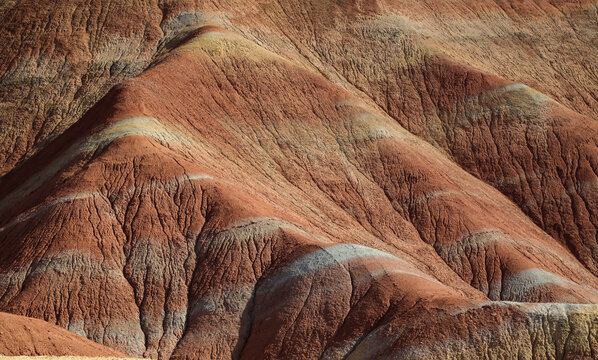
(303, 179)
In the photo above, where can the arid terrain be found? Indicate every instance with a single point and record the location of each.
(299, 179)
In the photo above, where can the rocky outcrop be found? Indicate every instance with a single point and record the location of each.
(268, 192)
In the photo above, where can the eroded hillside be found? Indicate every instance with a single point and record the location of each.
(303, 179)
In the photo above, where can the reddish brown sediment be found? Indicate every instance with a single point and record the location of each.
(313, 179)
(23, 336)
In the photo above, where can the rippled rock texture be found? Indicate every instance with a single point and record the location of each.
(294, 179)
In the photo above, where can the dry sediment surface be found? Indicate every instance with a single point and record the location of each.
(23, 337)
(303, 179)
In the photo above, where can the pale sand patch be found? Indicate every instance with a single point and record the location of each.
(247, 228)
(141, 125)
(45, 207)
(337, 254)
(535, 95)
(367, 126)
(573, 320)
(517, 100)
(222, 43)
(336, 290)
(61, 263)
(487, 236)
(172, 184)
(167, 185)
(519, 284)
(528, 307)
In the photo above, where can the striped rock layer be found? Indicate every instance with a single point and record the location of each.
(303, 179)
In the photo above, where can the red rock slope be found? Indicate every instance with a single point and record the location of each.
(337, 186)
(20, 335)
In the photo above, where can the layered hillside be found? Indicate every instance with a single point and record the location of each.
(303, 179)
